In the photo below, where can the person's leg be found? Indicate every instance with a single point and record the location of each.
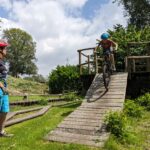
(4, 109)
(113, 62)
(2, 121)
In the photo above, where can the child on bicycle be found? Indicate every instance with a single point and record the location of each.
(109, 47)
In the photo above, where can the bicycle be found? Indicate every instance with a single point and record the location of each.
(106, 69)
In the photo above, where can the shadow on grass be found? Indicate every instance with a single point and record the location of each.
(66, 113)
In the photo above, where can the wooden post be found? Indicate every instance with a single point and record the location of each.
(126, 64)
(95, 60)
(80, 66)
(148, 65)
(89, 64)
(134, 65)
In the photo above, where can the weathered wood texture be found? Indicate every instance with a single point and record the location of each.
(86, 124)
(42, 111)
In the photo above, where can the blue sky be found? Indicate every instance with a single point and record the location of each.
(60, 27)
(88, 11)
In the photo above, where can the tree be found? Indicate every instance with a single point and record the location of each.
(123, 36)
(64, 78)
(138, 11)
(21, 52)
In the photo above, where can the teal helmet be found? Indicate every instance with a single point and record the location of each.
(105, 36)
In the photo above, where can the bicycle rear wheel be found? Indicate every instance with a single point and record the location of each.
(106, 75)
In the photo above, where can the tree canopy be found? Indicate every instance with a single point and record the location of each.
(123, 36)
(64, 78)
(21, 52)
(138, 12)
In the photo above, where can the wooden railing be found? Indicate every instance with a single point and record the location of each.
(91, 63)
(134, 63)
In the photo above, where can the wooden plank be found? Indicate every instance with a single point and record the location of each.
(76, 141)
(80, 127)
(102, 105)
(28, 117)
(85, 123)
(82, 120)
(10, 115)
(86, 117)
(80, 136)
(88, 112)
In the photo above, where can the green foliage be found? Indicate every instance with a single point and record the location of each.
(37, 78)
(123, 36)
(144, 101)
(19, 86)
(138, 11)
(132, 109)
(116, 124)
(70, 96)
(21, 52)
(43, 102)
(64, 78)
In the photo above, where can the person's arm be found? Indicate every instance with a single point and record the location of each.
(114, 45)
(99, 43)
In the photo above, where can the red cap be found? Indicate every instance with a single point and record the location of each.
(3, 43)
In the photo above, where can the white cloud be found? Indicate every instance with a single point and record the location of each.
(6, 4)
(57, 33)
(73, 3)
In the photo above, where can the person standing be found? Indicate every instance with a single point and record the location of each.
(4, 99)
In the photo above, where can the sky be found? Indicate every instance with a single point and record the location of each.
(60, 27)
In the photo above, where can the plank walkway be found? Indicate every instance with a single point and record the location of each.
(41, 111)
(86, 124)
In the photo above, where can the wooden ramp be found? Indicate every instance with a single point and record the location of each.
(86, 124)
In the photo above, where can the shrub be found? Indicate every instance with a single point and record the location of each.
(43, 102)
(144, 101)
(132, 109)
(70, 96)
(116, 124)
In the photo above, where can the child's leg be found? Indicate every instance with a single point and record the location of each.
(112, 61)
(2, 121)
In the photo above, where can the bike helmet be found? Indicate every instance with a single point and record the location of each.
(3, 44)
(105, 36)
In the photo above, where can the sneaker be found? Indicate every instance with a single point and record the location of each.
(4, 134)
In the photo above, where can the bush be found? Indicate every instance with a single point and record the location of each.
(43, 102)
(116, 124)
(132, 109)
(144, 101)
(70, 96)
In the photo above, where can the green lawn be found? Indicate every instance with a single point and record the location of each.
(33, 97)
(29, 135)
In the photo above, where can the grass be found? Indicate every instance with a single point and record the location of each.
(29, 135)
(139, 138)
(19, 86)
(33, 97)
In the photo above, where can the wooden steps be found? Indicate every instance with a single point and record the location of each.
(86, 124)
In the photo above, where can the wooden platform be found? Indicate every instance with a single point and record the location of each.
(86, 124)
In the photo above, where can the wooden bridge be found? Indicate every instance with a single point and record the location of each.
(86, 124)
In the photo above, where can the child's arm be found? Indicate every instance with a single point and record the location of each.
(114, 45)
(99, 43)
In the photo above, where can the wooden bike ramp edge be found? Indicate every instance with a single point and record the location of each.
(86, 124)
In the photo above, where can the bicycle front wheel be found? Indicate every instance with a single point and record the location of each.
(106, 75)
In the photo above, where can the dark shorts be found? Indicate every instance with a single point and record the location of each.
(4, 102)
(107, 52)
